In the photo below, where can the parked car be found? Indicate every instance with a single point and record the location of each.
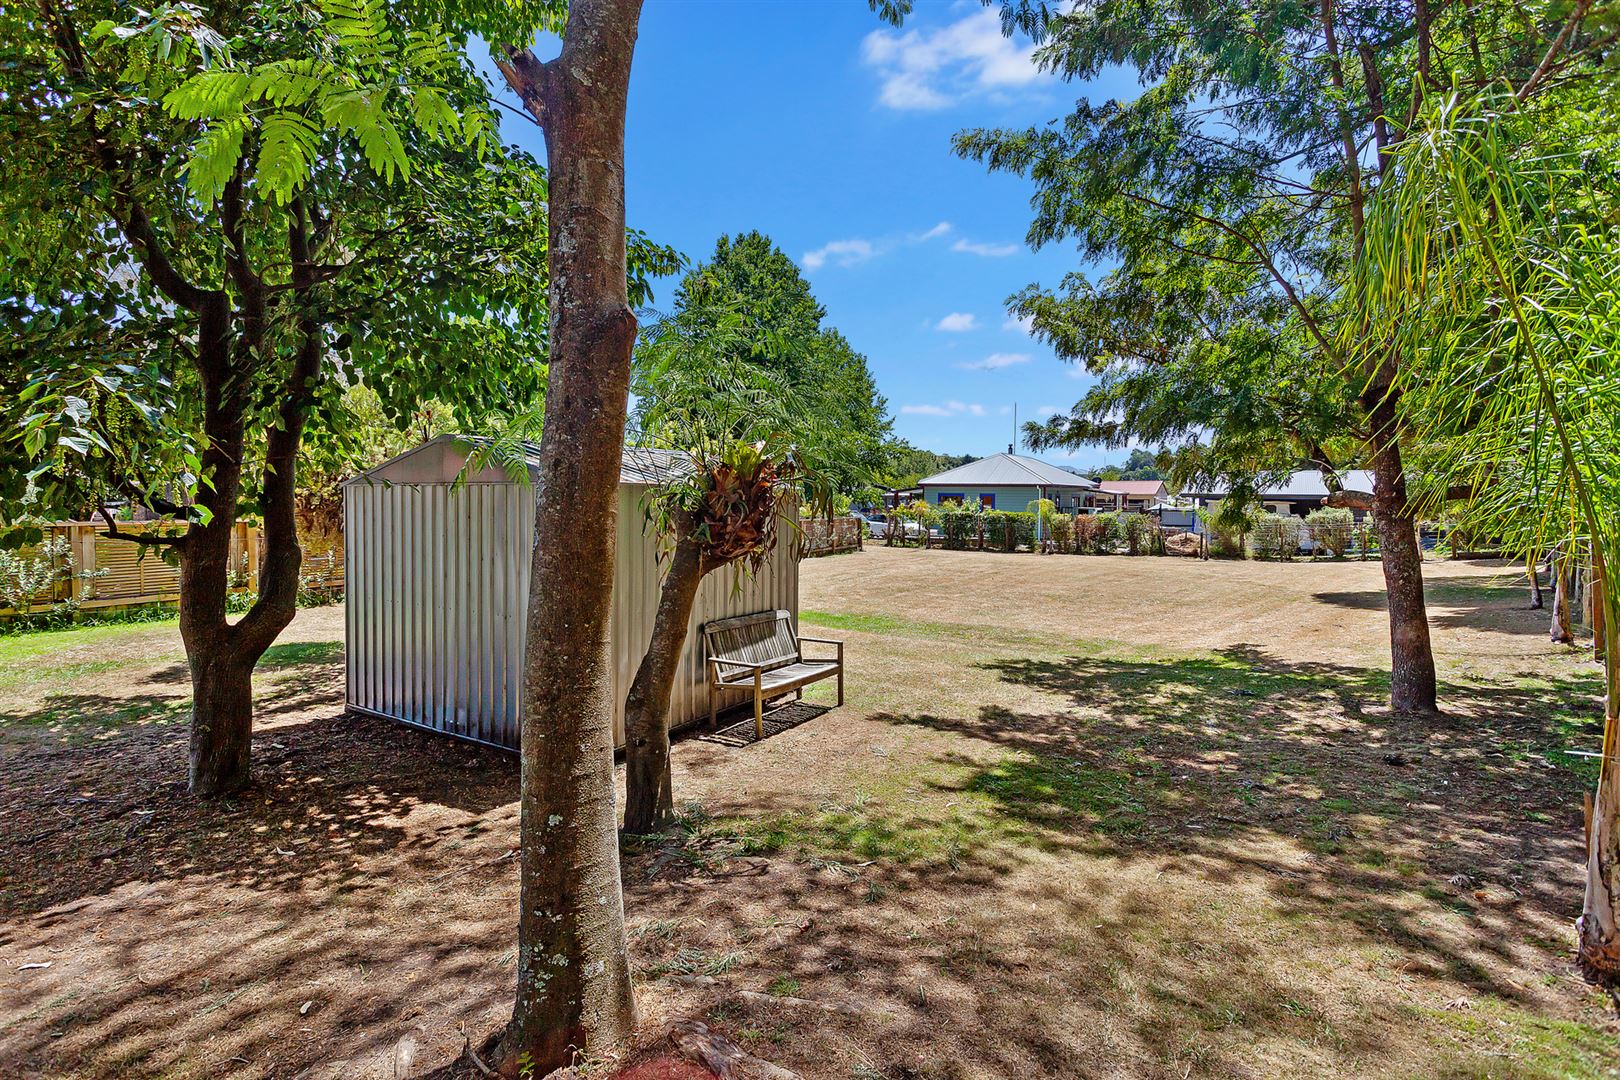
(877, 527)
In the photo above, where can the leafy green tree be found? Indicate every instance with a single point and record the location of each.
(229, 218)
(750, 281)
(1232, 194)
(573, 976)
(1139, 465)
(904, 464)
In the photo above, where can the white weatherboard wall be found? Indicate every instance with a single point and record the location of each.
(437, 598)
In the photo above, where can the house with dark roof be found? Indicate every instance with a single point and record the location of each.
(1303, 491)
(1007, 482)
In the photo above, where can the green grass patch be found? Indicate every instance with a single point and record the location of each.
(1531, 1047)
(296, 653)
(1020, 801)
(1055, 794)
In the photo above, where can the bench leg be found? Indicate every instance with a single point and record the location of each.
(759, 715)
(798, 695)
(840, 684)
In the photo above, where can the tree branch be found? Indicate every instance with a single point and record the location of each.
(144, 539)
(528, 77)
(1546, 65)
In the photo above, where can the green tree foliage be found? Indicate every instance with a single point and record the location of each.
(749, 282)
(1231, 197)
(214, 226)
(1139, 465)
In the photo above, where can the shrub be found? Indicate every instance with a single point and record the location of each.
(1007, 530)
(1060, 529)
(1056, 527)
(958, 527)
(1085, 534)
(1140, 532)
(1332, 530)
(1276, 536)
(29, 580)
(1225, 539)
(1109, 532)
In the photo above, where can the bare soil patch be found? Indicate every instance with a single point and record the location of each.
(1082, 817)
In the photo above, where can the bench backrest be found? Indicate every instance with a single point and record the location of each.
(765, 638)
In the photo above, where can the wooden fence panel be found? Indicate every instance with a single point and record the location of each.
(103, 573)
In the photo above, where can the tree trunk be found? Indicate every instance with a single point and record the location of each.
(1598, 929)
(1534, 569)
(573, 976)
(1561, 631)
(222, 656)
(649, 801)
(222, 694)
(1412, 678)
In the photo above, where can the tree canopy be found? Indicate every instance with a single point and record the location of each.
(775, 325)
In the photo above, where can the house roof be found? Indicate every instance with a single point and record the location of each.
(1131, 487)
(1006, 470)
(440, 460)
(1301, 484)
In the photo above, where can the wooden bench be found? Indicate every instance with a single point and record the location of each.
(760, 652)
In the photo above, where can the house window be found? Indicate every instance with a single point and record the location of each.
(987, 501)
(952, 496)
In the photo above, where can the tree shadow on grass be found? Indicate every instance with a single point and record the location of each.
(1224, 757)
(1461, 602)
(177, 927)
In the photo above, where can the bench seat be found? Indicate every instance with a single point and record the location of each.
(762, 653)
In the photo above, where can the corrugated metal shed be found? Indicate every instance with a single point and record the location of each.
(1005, 470)
(438, 584)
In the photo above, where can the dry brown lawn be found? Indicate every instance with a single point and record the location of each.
(1087, 817)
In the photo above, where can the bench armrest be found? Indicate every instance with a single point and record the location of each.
(745, 665)
(823, 641)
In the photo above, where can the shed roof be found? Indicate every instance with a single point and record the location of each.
(1006, 470)
(1301, 484)
(441, 459)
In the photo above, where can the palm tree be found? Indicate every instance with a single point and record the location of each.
(1494, 262)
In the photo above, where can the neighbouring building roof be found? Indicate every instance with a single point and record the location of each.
(1006, 470)
(1302, 484)
(1131, 487)
(440, 461)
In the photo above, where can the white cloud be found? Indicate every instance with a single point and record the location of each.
(843, 252)
(1025, 326)
(1048, 410)
(857, 249)
(933, 68)
(992, 251)
(950, 408)
(958, 322)
(995, 361)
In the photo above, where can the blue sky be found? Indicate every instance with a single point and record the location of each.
(814, 123)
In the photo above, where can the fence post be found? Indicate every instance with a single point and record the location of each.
(82, 557)
(251, 546)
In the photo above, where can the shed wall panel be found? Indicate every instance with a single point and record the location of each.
(437, 583)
